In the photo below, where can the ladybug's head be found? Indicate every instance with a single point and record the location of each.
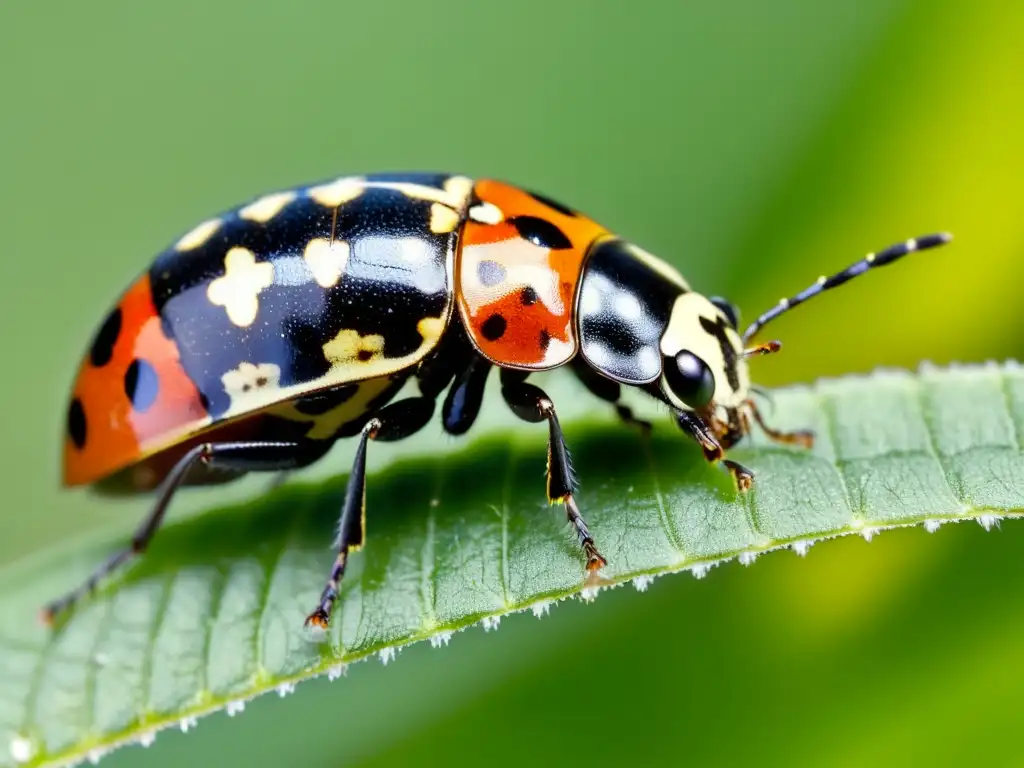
(703, 364)
(704, 356)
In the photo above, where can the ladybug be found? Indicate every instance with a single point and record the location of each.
(267, 333)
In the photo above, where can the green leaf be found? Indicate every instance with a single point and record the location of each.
(459, 534)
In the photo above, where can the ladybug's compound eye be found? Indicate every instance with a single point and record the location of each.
(690, 379)
(728, 309)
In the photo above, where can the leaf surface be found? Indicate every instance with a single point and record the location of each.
(459, 534)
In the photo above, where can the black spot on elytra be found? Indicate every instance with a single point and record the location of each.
(76, 423)
(553, 204)
(540, 232)
(141, 384)
(322, 402)
(103, 345)
(490, 272)
(545, 339)
(364, 355)
(493, 327)
(528, 296)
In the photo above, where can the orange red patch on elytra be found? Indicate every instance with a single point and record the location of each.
(130, 390)
(520, 264)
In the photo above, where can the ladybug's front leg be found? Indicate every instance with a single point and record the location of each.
(801, 437)
(694, 426)
(392, 422)
(530, 403)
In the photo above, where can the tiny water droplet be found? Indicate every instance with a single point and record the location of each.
(235, 707)
(22, 749)
(337, 671)
(641, 583)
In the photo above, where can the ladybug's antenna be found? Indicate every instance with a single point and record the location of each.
(880, 259)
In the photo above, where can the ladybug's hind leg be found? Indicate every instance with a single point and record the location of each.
(392, 422)
(238, 456)
(532, 404)
(608, 390)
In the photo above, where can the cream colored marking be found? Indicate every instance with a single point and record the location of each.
(345, 348)
(443, 219)
(326, 260)
(455, 193)
(267, 207)
(911, 245)
(525, 264)
(347, 368)
(248, 379)
(430, 328)
(486, 213)
(338, 192)
(684, 331)
(822, 280)
(869, 258)
(239, 289)
(659, 266)
(325, 425)
(199, 235)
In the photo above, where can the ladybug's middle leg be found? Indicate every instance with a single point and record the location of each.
(532, 404)
(392, 422)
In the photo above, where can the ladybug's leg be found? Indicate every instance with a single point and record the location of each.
(392, 422)
(801, 437)
(530, 403)
(608, 390)
(245, 457)
(695, 427)
(462, 405)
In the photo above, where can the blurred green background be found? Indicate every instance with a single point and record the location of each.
(753, 144)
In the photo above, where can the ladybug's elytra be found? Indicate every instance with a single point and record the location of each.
(265, 334)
